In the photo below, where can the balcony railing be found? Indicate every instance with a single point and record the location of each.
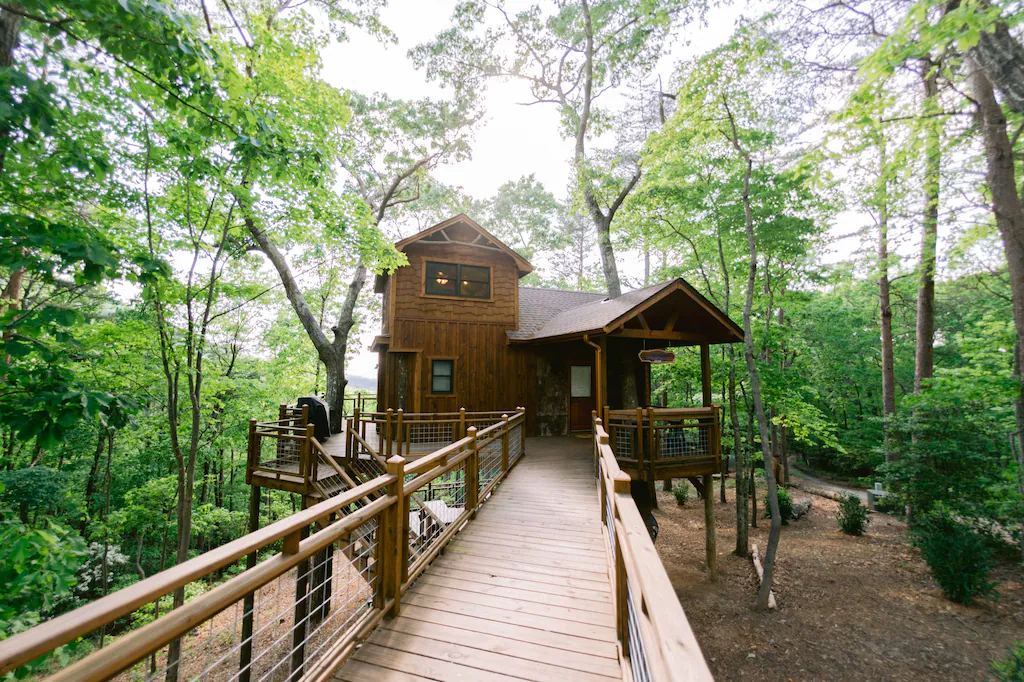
(658, 442)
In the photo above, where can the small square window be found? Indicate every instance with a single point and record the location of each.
(442, 376)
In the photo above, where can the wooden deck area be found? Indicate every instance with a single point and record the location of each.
(522, 592)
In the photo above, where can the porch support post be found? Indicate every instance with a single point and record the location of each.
(705, 373)
(602, 372)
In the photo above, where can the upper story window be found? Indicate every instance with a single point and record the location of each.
(454, 279)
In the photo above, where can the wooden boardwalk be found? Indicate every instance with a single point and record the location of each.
(521, 593)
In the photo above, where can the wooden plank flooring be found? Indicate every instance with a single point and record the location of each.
(522, 593)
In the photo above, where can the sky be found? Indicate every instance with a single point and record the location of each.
(513, 140)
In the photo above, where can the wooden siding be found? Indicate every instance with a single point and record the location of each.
(410, 302)
(489, 374)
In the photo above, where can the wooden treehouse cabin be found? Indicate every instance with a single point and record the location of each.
(430, 544)
(459, 331)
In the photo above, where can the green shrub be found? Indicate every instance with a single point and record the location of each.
(1011, 668)
(682, 492)
(785, 505)
(891, 504)
(958, 557)
(852, 516)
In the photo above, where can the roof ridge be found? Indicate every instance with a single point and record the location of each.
(564, 291)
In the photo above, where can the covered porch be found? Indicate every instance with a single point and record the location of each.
(595, 361)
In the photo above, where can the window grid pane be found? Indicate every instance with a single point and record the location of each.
(452, 279)
(442, 376)
(442, 278)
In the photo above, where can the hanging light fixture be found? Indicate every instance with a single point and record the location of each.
(441, 279)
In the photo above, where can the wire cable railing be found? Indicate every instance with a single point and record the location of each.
(654, 636)
(315, 584)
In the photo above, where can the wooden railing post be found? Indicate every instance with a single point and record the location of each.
(602, 492)
(253, 459)
(640, 441)
(350, 444)
(504, 445)
(307, 450)
(392, 544)
(386, 450)
(621, 485)
(472, 475)
(400, 436)
(299, 625)
(522, 431)
(359, 427)
(462, 423)
(608, 427)
(249, 601)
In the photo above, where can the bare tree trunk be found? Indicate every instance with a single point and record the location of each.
(10, 27)
(1006, 203)
(755, 395)
(924, 356)
(784, 452)
(742, 465)
(647, 260)
(885, 308)
(1016, 442)
(90, 482)
(603, 224)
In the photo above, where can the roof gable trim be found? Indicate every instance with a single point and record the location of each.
(522, 264)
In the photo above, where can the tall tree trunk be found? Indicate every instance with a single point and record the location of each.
(755, 395)
(885, 308)
(1002, 183)
(742, 465)
(748, 455)
(924, 355)
(603, 224)
(1016, 444)
(10, 27)
(647, 259)
(90, 482)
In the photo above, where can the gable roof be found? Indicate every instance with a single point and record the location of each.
(598, 314)
(494, 243)
(538, 306)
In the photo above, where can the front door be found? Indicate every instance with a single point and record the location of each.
(581, 397)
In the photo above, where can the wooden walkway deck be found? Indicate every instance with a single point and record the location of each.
(523, 591)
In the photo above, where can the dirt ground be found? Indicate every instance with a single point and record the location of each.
(849, 608)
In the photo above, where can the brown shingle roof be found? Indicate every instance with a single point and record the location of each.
(538, 306)
(552, 314)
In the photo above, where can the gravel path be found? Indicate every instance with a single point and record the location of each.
(813, 484)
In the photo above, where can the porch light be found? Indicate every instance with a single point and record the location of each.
(441, 279)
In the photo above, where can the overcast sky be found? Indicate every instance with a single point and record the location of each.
(513, 140)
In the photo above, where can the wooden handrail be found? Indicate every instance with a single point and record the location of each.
(369, 449)
(665, 412)
(129, 649)
(428, 462)
(427, 476)
(673, 654)
(29, 645)
(391, 509)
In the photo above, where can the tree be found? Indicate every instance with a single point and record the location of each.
(569, 58)
(524, 215)
(387, 151)
(727, 123)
